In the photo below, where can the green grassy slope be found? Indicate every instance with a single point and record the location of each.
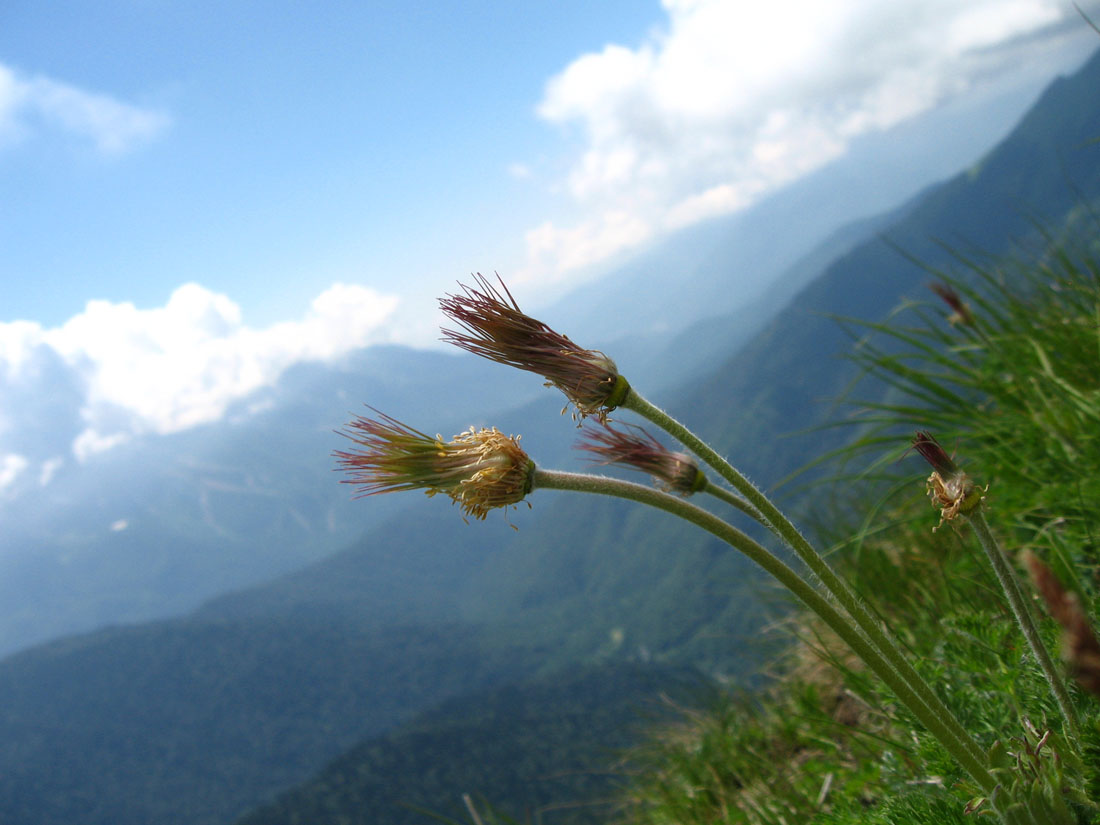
(1017, 395)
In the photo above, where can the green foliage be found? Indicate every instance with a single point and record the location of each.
(1016, 386)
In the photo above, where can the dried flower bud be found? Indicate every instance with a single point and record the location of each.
(479, 469)
(1079, 645)
(634, 447)
(949, 487)
(960, 310)
(493, 326)
(931, 451)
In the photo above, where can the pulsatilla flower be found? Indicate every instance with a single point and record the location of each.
(950, 488)
(635, 448)
(479, 469)
(1080, 647)
(960, 310)
(492, 325)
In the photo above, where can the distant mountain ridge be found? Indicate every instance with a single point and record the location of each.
(543, 748)
(196, 720)
(152, 528)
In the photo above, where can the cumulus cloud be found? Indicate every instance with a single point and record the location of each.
(29, 104)
(730, 100)
(172, 367)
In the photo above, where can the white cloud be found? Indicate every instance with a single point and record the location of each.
(18, 341)
(91, 441)
(731, 99)
(12, 466)
(519, 171)
(585, 243)
(49, 470)
(31, 103)
(169, 368)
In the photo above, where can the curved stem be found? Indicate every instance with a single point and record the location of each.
(1025, 617)
(785, 529)
(731, 498)
(937, 725)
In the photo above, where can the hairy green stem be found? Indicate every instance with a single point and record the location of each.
(785, 529)
(731, 498)
(1025, 617)
(937, 723)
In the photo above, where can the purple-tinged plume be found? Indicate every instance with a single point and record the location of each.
(492, 325)
(631, 446)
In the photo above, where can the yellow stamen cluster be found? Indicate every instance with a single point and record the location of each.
(955, 494)
(479, 469)
(499, 471)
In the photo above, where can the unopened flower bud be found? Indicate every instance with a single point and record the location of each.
(1080, 648)
(634, 447)
(960, 310)
(493, 326)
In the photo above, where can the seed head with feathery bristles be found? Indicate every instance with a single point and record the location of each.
(479, 469)
(492, 325)
(634, 447)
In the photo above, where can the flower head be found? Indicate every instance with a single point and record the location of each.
(1080, 647)
(634, 447)
(960, 310)
(950, 488)
(479, 469)
(492, 325)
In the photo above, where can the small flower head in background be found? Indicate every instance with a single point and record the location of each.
(480, 469)
(960, 310)
(1080, 648)
(635, 448)
(493, 326)
(949, 487)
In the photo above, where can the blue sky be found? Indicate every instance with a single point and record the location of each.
(297, 145)
(196, 194)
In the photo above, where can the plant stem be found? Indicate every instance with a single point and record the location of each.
(939, 726)
(1025, 617)
(785, 529)
(731, 498)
